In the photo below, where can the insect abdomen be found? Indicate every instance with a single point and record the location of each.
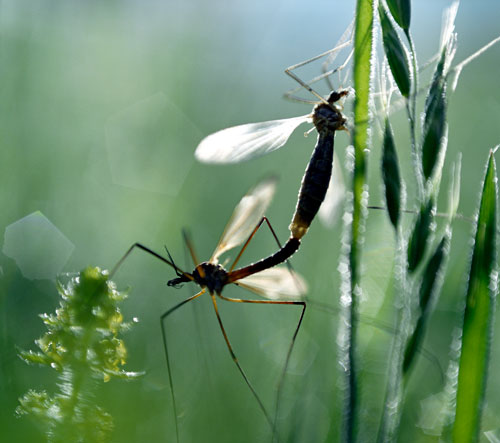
(278, 257)
(314, 184)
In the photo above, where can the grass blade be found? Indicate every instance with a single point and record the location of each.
(396, 53)
(391, 176)
(363, 48)
(401, 12)
(478, 316)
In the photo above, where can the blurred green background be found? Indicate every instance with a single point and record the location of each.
(101, 107)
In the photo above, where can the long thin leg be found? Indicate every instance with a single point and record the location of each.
(165, 348)
(304, 84)
(283, 374)
(288, 264)
(345, 41)
(290, 94)
(328, 72)
(293, 98)
(317, 57)
(189, 244)
(290, 349)
(262, 220)
(289, 353)
(151, 252)
(437, 214)
(235, 359)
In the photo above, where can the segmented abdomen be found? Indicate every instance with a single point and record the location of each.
(278, 257)
(314, 184)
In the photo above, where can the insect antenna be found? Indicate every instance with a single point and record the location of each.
(149, 251)
(182, 277)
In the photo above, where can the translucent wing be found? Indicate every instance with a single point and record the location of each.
(275, 283)
(246, 215)
(329, 209)
(243, 142)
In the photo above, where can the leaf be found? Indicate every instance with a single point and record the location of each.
(391, 176)
(401, 12)
(427, 294)
(420, 235)
(31, 357)
(396, 53)
(478, 317)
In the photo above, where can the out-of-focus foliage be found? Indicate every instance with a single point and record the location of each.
(83, 345)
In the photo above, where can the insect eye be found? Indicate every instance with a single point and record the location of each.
(334, 97)
(176, 282)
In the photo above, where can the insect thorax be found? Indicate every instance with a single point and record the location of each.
(327, 118)
(211, 275)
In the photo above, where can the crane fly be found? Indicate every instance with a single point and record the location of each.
(278, 284)
(243, 142)
(246, 141)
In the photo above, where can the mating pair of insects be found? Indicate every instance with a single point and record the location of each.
(277, 284)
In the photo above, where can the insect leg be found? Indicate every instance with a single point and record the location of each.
(165, 348)
(290, 349)
(327, 73)
(189, 244)
(344, 41)
(290, 94)
(382, 326)
(330, 52)
(262, 220)
(288, 71)
(233, 356)
(288, 264)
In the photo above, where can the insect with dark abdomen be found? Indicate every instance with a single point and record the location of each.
(263, 277)
(281, 286)
(246, 141)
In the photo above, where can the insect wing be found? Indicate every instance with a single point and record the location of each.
(334, 198)
(246, 215)
(239, 143)
(275, 283)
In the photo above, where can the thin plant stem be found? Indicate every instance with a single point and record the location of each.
(394, 392)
